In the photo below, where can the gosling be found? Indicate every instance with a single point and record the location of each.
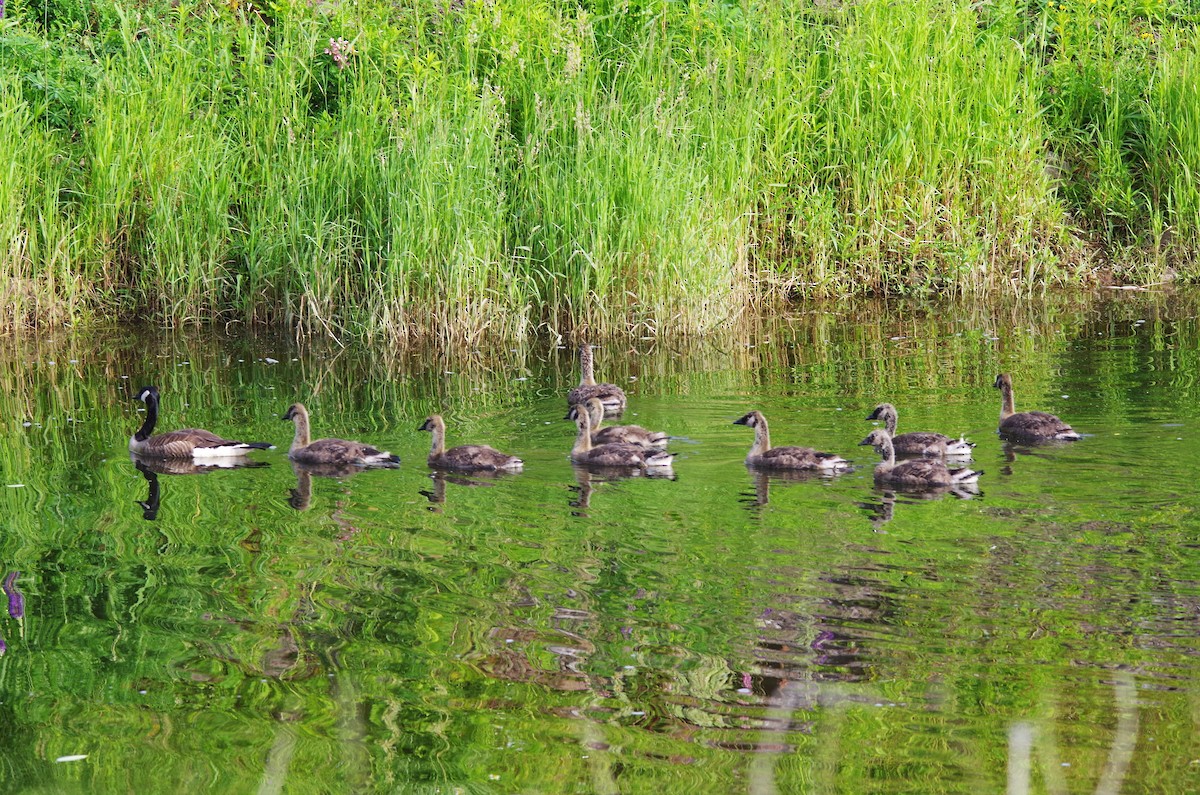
(612, 397)
(621, 434)
(918, 442)
(467, 457)
(614, 454)
(1029, 426)
(332, 451)
(763, 456)
(915, 472)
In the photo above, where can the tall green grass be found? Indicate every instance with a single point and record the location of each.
(484, 169)
(905, 154)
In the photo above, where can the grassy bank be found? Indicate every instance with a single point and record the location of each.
(461, 169)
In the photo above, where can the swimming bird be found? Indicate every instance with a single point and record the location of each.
(613, 454)
(915, 472)
(918, 442)
(331, 451)
(194, 443)
(467, 457)
(763, 456)
(611, 396)
(1029, 426)
(627, 434)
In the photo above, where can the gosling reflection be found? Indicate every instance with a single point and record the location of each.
(882, 510)
(437, 494)
(1044, 450)
(300, 498)
(761, 481)
(590, 477)
(151, 468)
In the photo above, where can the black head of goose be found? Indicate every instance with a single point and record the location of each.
(190, 443)
(1029, 426)
(466, 457)
(763, 456)
(331, 451)
(611, 396)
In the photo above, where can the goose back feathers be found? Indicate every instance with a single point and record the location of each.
(1029, 426)
(331, 451)
(617, 434)
(467, 457)
(915, 472)
(193, 443)
(763, 456)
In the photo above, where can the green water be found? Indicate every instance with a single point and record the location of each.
(560, 632)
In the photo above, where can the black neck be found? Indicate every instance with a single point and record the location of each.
(151, 417)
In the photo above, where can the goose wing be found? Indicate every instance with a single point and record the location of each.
(630, 434)
(615, 455)
(920, 472)
(475, 456)
(342, 451)
(182, 443)
(611, 395)
(921, 443)
(798, 458)
(1038, 425)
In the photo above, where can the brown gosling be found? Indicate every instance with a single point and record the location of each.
(611, 396)
(1029, 426)
(622, 434)
(763, 456)
(467, 457)
(332, 451)
(196, 444)
(613, 455)
(915, 472)
(918, 442)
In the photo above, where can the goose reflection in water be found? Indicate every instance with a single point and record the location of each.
(589, 476)
(1011, 451)
(300, 497)
(151, 468)
(761, 480)
(882, 510)
(437, 494)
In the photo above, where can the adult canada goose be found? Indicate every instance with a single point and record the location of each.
(467, 457)
(915, 472)
(623, 434)
(919, 443)
(1029, 426)
(614, 454)
(193, 443)
(763, 456)
(331, 451)
(611, 396)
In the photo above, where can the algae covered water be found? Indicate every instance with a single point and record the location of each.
(260, 629)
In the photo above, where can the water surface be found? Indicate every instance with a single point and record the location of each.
(249, 630)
